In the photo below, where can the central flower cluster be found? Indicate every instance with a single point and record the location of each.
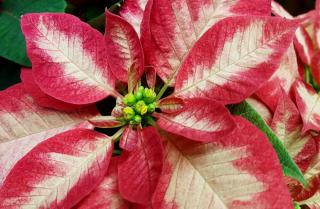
(139, 105)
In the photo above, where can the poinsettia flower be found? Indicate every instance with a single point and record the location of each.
(73, 66)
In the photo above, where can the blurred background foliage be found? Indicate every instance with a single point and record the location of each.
(90, 11)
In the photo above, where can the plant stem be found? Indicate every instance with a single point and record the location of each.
(162, 90)
(307, 75)
(166, 85)
(116, 136)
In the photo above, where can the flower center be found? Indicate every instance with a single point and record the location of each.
(139, 105)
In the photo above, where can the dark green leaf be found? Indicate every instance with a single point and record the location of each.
(12, 42)
(289, 167)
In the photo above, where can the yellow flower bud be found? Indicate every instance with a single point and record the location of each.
(128, 113)
(129, 99)
(149, 95)
(141, 108)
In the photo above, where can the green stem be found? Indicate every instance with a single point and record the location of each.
(116, 136)
(151, 121)
(163, 89)
(307, 75)
(166, 85)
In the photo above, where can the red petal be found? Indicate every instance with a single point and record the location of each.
(303, 45)
(68, 57)
(239, 172)
(151, 77)
(177, 24)
(23, 125)
(106, 195)
(58, 172)
(200, 120)
(283, 78)
(315, 67)
(129, 139)
(317, 30)
(233, 66)
(278, 10)
(42, 98)
(287, 125)
(105, 122)
(132, 11)
(171, 105)
(124, 47)
(139, 170)
(261, 108)
(308, 102)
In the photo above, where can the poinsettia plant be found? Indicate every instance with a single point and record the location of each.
(170, 141)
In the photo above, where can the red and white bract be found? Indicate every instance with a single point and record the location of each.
(317, 31)
(239, 172)
(176, 25)
(309, 196)
(151, 77)
(199, 119)
(245, 52)
(140, 169)
(315, 67)
(278, 10)
(41, 98)
(105, 122)
(302, 40)
(308, 102)
(129, 139)
(58, 172)
(124, 47)
(304, 45)
(287, 125)
(132, 11)
(261, 108)
(170, 105)
(106, 195)
(23, 125)
(69, 58)
(283, 78)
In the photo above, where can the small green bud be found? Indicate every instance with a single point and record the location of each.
(137, 119)
(129, 99)
(152, 107)
(125, 100)
(149, 95)
(141, 88)
(139, 95)
(141, 108)
(128, 113)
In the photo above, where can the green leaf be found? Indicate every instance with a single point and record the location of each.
(289, 167)
(12, 42)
